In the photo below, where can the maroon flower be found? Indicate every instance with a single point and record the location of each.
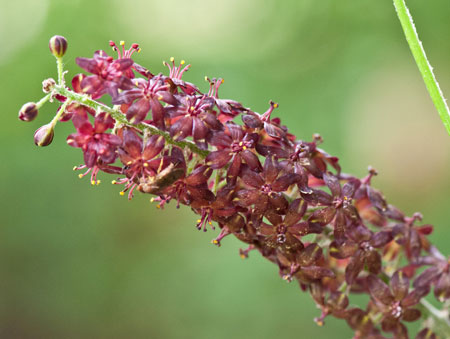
(340, 208)
(95, 143)
(126, 54)
(228, 108)
(309, 265)
(175, 75)
(193, 117)
(145, 97)
(235, 146)
(361, 247)
(438, 275)
(285, 232)
(108, 74)
(139, 159)
(412, 237)
(257, 121)
(265, 188)
(192, 188)
(395, 302)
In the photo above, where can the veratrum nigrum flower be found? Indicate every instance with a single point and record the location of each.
(244, 173)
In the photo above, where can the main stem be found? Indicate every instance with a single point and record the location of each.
(85, 100)
(424, 66)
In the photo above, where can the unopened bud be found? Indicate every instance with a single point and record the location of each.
(44, 135)
(48, 85)
(28, 112)
(58, 45)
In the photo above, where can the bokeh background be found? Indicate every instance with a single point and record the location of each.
(83, 262)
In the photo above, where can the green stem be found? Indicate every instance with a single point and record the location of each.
(60, 112)
(41, 102)
(59, 64)
(424, 66)
(440, 322)
(120, 117)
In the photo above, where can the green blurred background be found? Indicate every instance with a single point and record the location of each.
(83, 262)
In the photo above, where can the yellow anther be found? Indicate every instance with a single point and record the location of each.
(74, 168)
(139, 50)
(275, 105)
(243, 256)
(158, 206)
(122, 193)
(182, 62)
(206, 78)
(80, 175)
(199, 220)
(113, 182)
(160, 97)
(145, 164)
(241, 143)
(99, 182)
(244, 148)
(129, 163)
(214, 241)
(152, 199)
(209, 222)
(172, 59)
(136, 83)
(223, 80)
(93, 182)
(319, 322)
(122, 43)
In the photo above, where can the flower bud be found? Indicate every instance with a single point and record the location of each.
(28, 111)
(44, 135)
(58, 45)
(48, 85)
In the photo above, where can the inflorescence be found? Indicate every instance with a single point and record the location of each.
(286, 198)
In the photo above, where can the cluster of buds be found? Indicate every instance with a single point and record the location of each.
(243, 172)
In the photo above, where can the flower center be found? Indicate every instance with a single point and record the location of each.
(240, 146)
(266, 188)
(396, 310)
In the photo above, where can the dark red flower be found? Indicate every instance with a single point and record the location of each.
(265, 188)
(361, 247)
(438, 275)
(258, 121)
(95, 143)
(175, 75)
(395, 302)
(193, 117)
(228, 108)
(233, 146)
(108, 74)
(285, 232)
(126, 54)
(139, 159)
(340, 209)
(411, 236)
(192, 188)
(145, 97)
